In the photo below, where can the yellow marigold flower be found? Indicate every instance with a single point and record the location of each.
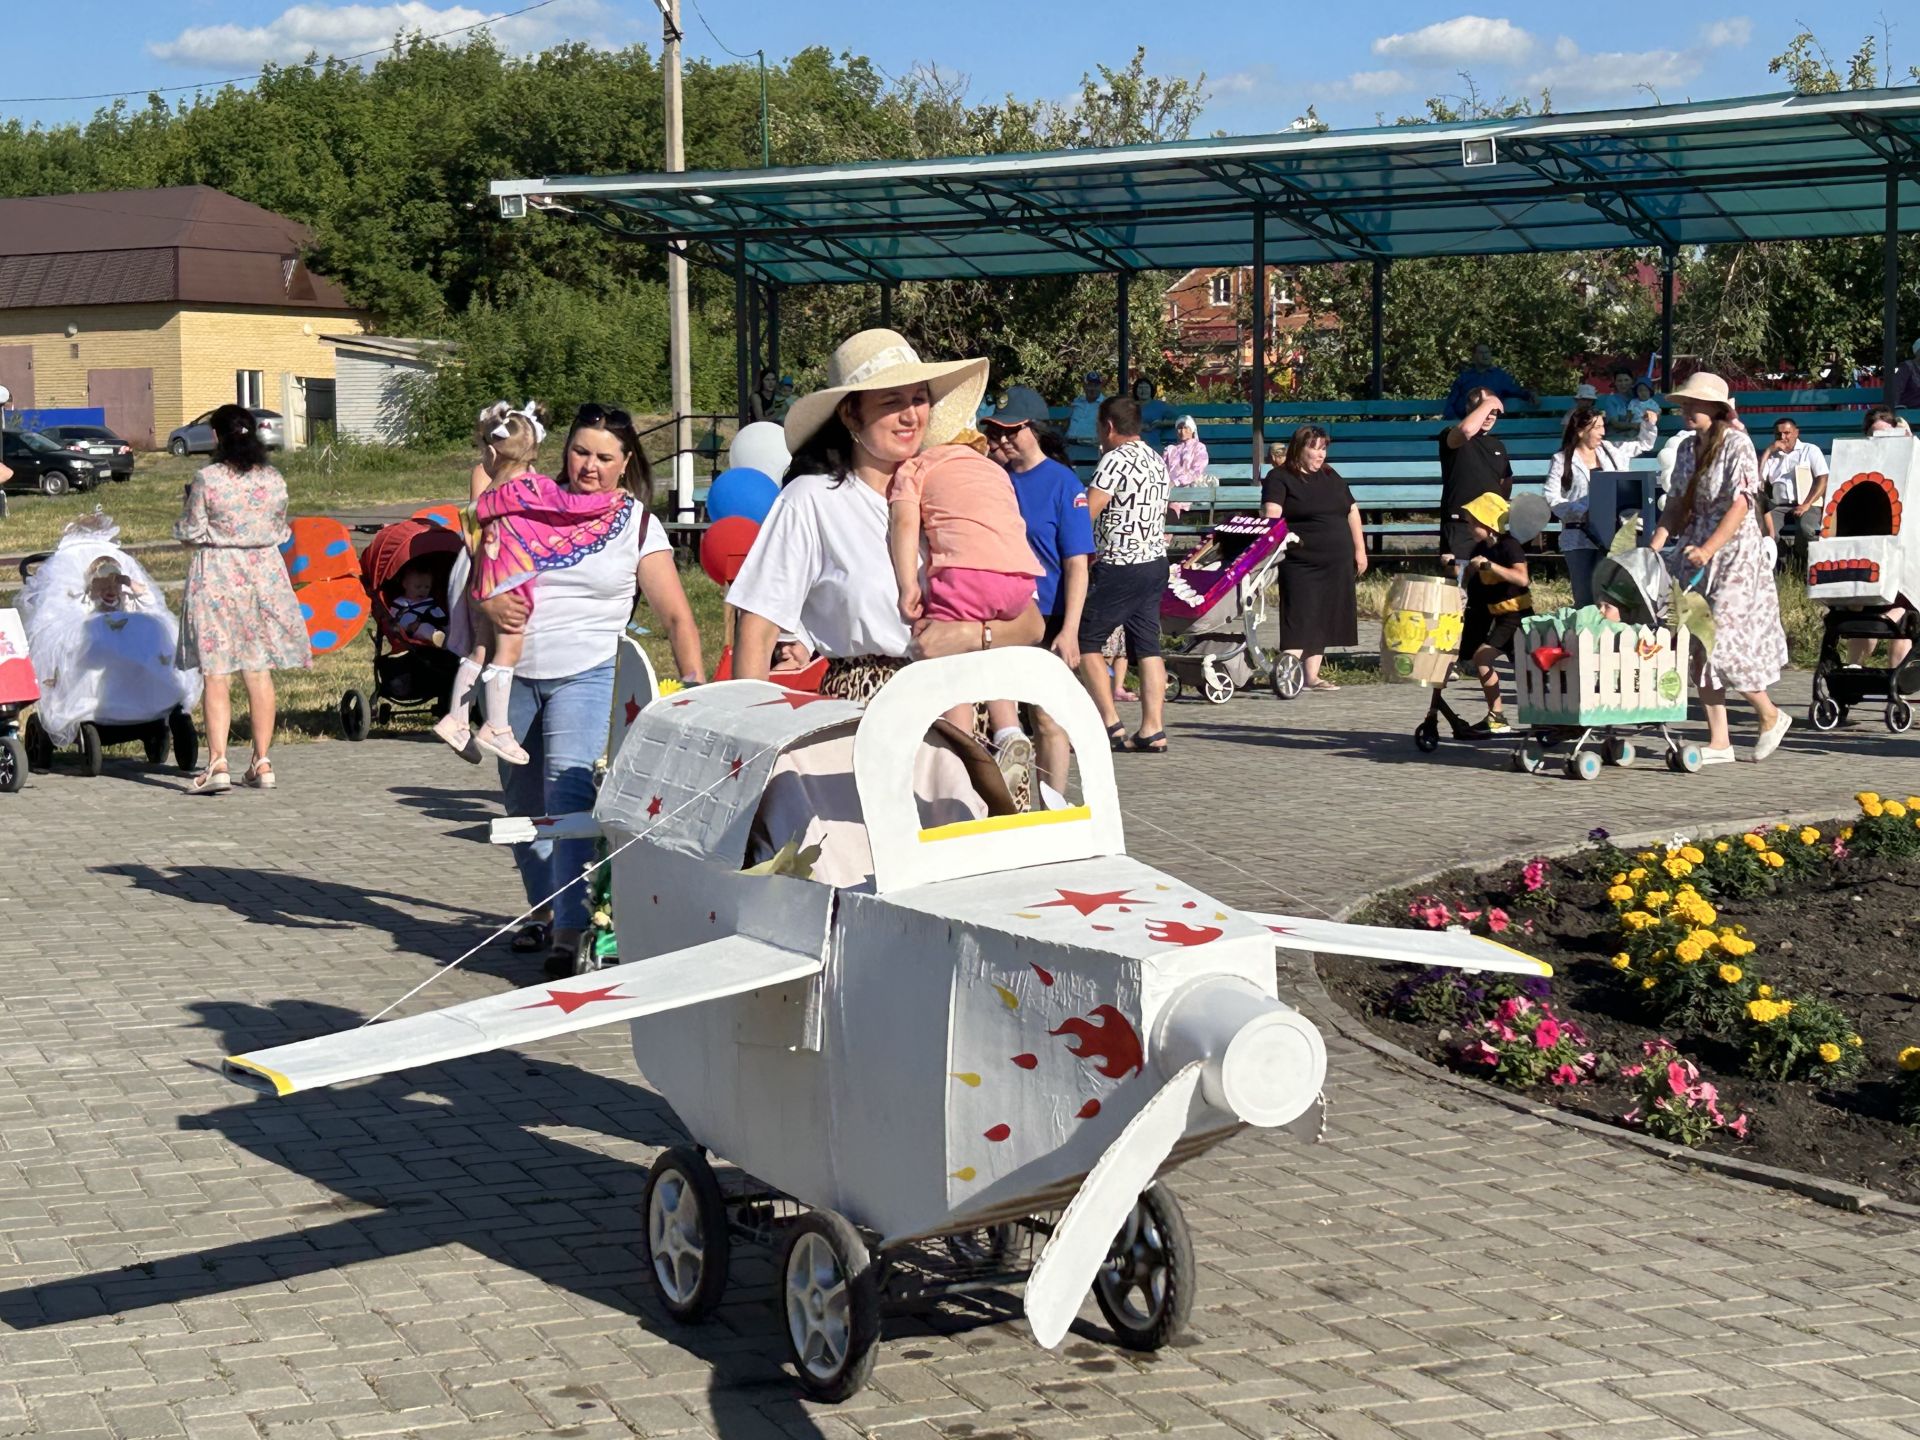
(1895, 809)
(1855, 1041)
(1647, 984)
(1913, 802)
(1773, 859)
(1657, 898)
(1867, 797)
(1764, 1012)
(1786, 1006)
(1720, 847)
(1660, 954)
(1765, 992)
(1809, 835)
(1686, 952)
(1731, 974)
(1636, 920)
(1677, 868)
(1705, 939)
(1910, 1059)
(1620, 894)
(1829, 1052)
(1637, 873)
(1752, 841)
(1780, 825)
(1876, 810)
(1705, 914)
(1736, 945)
(1847, 834)
(1620, 877)
(1622, 961)
(1691, 854)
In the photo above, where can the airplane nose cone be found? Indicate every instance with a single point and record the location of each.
(1265, 1062)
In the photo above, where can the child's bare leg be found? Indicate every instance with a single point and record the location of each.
(1483, 663)
(1002, 716)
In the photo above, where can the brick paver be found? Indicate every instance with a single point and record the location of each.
(454, 1251)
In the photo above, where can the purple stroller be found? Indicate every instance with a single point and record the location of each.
(1215, 603)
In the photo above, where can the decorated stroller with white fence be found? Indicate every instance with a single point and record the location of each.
(1586, 682)
(1215, 605)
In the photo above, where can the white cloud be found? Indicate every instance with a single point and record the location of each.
(1617, 73)
(1728, 34)
(1240, 83)
(301, 30)
(1368, 84)
(1463, 40)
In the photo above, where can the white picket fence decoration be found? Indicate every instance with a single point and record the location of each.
(1603, 679)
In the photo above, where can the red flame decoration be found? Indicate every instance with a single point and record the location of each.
(999, 1133)
(1026, 1062)
(1176, 932)
(1109, 1037)
(1088, 1110)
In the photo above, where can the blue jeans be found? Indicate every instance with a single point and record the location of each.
(562, 724)
(1580, 565)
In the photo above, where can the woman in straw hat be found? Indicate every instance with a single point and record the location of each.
(1711, 508)
(819, 571)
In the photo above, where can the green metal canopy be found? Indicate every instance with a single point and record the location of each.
(1778, 167)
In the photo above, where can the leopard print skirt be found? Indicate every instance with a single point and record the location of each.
(861, 678)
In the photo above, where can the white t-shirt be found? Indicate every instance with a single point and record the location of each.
(580, 612)
(1778, 471)
(821, 571)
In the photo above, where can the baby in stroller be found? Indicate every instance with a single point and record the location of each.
(103, 641)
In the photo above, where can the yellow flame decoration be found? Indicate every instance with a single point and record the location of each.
(965, 1172)
(1008, 998)
(966, 1077)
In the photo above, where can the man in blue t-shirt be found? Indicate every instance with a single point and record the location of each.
(1053, 502)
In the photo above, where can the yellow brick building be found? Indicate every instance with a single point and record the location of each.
(157, 305)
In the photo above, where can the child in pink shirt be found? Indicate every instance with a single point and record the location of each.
(979, 565)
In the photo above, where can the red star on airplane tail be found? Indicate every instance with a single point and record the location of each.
(568, 1001)
(633, 709)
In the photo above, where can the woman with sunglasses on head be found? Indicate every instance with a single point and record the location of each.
(820, 571)
(562, 689)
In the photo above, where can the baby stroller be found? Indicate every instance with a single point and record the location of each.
(1864, 570)
(408, 674)
(1214, 606)
(18, 687)
(103, 644)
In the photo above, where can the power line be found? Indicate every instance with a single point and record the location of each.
(750, 55)
(243, 79)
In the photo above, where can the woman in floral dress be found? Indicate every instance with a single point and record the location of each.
(1716, 485)
(239, 614)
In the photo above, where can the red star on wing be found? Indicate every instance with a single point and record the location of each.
(793, 698)
(733, 770)
(653, 807)
(1087, 902)
(568, 1001)
(632, 709)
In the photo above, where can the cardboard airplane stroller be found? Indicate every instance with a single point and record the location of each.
(1864, 567)
(906, 1013)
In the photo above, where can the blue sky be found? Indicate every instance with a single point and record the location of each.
(1264, 61)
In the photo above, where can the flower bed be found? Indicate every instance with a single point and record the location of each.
(1755, 993)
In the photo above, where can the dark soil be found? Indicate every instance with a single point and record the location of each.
(1850, 935)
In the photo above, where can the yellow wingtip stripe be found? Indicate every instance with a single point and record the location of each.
(1543, 967)
(282, 1086)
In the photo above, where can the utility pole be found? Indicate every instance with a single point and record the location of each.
(679, 363)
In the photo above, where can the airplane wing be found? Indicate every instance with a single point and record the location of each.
(525, 829)
(729, 966)
(1455, 949)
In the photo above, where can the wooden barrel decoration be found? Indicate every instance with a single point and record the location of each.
(1420, 630)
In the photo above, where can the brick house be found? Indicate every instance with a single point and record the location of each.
(157, 305)
(1209, 336)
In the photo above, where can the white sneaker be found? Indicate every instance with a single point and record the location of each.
(1710, 756)
(1771, 737)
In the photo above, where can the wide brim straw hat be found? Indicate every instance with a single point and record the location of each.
(883, 360)
(1705, 389)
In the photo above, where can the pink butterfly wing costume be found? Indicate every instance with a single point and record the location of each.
(531, 523)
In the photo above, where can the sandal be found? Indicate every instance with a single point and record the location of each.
(500, 744)
(1323, 685)
(453, 728)
(1154, 744)
(259, 774)
(214, 780)
(534, 937)
(565, 954)
(1117, 737)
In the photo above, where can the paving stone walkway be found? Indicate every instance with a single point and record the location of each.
(454, 1252)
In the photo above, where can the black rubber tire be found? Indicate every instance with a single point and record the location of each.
(678, 1175)
(1824, 714)
(356, 720)
(154, 742)
(39, 745)
(186, 740)
(177, 446)
(1426, 737)
(1289, 676)
(1899, 716)
(55, 482)
(382, 713)
(1156, 1231)
(13, 764)
(91, 760)
(831, 1381)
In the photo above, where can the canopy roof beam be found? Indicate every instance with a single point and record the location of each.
(1343, 239)
(1556, 165)
(1900, 150)
(1019, 213)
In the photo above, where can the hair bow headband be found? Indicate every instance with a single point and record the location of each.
(525, 412)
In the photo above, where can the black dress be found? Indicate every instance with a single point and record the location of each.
(1318, 609)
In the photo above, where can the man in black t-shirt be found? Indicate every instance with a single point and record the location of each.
(1472, 463)
(1498, 599)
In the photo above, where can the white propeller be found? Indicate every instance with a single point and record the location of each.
(1245, 1054)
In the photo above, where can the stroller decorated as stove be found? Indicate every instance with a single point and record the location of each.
(1864, 570)
(1215, 603)
(103, 644)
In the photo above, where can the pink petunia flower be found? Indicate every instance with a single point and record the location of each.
(1676, 1077)
(1497, 920)
(1565, 1075)
(1534, 876)
(1739, 1127)
(1632, 1072)
(1546, 1034)
(1480, 1053)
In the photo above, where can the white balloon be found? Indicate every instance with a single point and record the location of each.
(6, 395)
(760, 446)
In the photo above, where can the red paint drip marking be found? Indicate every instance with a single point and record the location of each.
(999, 1133)
(1046, 976)
(1026, 1062)
(1088, 1110)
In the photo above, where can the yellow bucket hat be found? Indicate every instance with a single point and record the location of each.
(1489, 509)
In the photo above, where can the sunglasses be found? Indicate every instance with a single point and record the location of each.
(994, 430)
(601, 417)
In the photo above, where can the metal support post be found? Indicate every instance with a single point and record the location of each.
(886, 307)
(1259, 338)
(1376, 378)
(1890, 294)
(742, 379)
(1124, 350)
(679, 351)
(1669, 262)
(773, 328)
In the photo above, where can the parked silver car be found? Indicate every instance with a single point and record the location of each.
(196, 436)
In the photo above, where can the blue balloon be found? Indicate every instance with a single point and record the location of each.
(741, 492)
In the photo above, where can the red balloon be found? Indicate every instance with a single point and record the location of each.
(724, 547)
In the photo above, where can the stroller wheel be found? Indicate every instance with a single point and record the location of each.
(154, 742)
(355, 719)
(91, 762)
(1825, 714)
(1899, 716)
(1174, 686)
(1289, 676)
(39, 745)
(1219, 689)
(13, 764)
(382, 713)
(186, 741)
